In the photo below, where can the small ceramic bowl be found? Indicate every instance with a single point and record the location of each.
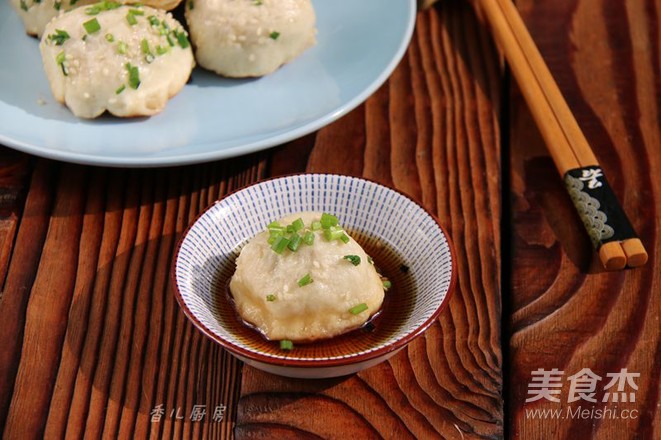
(406, 242)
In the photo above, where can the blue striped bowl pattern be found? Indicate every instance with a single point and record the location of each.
(374, 214)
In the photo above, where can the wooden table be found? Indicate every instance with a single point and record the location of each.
(93, 343)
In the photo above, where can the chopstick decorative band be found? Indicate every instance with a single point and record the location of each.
(602, 216)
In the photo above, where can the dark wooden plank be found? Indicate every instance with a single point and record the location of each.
(565, 313)
(432, 132)
(95, 340)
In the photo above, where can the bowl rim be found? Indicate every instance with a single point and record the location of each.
(313, 363)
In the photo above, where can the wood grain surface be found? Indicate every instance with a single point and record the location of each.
(95, 346)
(563, 311)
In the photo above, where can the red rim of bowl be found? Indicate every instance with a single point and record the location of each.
(313, 363)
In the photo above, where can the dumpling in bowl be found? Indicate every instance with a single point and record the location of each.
(248, 38)
(36, 14)
(128, 60)
(305, 279)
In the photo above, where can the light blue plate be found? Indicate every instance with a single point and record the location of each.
(359, 45)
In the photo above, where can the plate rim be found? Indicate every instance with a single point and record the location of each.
(234, 151)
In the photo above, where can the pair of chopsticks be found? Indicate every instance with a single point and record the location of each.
(609, 229)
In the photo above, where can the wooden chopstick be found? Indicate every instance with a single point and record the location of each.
(566, 142)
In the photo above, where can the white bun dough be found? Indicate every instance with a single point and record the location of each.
(248, 38)
(315, 311)
(127, 69)
(37, 13)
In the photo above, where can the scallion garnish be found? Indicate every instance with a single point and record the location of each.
(333, 233)
(120, 89)
(153, 20)
(279, 244)
(92, 26)
(182, 39)
(60, 60)
(24, 6)
(328, 220)
(316, 225)
(308, 238)
(353, 259)
(369, 260)
(130, 16)
(286, 345)
(294, 242)
(110, 38)
(274, 35)
(59, 37)
(162, 50)
(307, 279)
(270, 298)
(134, 76)
(298, 224)
(144, 44)
(344, 238)
(122, 48)
(360, 308)
(57, 5)
(387, 284)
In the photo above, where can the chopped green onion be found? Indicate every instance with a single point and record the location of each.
(130, 17)
(153, 20)
(358, 309)
(369, 260)
(162, 50)
(134, 76)
(59, 37)
(110, 38)
(344, 238)
(57, 5)
(294, 242)
(279, 244)
(101, 6)
(257, 2)
(92, 26)
(387, 284)
(308, 238)
(181, 38)
(191, 5)
(298, 224)
(120, 89)
(270, 298)
(333, 233)
(353, 259)
(328, 220)
(122, 48)
(286, 345)
(316, 225)
(274, 35)
(24, 6)
(60, 59)
(144, 44)
(307, 279)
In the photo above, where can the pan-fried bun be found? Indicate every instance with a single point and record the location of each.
(127, 60)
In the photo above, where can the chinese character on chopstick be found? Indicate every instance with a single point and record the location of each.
(592, 176)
